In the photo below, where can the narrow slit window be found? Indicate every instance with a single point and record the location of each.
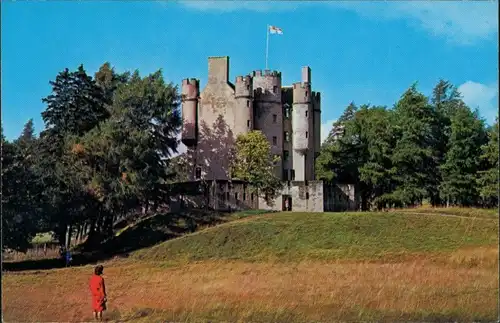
(307, 195)
(307, 113)
(248, 123)
(248, 103)
(198, 173)
(275, 140)
(275, 89)
(307, 134)
(275, 118)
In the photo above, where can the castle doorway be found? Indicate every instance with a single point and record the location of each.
(287, 203)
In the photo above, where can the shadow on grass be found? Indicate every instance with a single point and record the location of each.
(144, 233)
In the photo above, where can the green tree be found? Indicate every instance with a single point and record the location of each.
(462, 160)
(75, 106)
(254, 163)
(337, 158)
(20, 194)
(445, 101)
(413, 154)
(488, 179)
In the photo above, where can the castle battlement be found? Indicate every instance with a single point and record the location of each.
(191, 81)
(266, 73)
(243, 79)
(301, 85)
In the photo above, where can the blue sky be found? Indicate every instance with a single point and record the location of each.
(366, 52)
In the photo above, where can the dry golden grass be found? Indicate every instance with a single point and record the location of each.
(462, 285)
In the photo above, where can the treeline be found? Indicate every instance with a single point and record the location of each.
(434, 150)
(103, 154)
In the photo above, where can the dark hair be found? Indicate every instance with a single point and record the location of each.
(98, 270)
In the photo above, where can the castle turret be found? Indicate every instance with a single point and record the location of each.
(190, 94)
(301, 116)
(268, 110)
(317, 122)
(243, 94)
(302, 124)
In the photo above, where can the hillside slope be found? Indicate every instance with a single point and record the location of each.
(299, 236)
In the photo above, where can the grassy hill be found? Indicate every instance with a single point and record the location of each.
(326, 236)
(410, 265)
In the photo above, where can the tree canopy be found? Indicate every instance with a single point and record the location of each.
(436, 150)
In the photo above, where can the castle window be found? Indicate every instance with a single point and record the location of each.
(286, 154)
(236, 196)
(197, 174)
(307, 93)
(307, 133)
(244, 196)
(307, 195)
(287, 111)
(275, 140)
(248, 86)
(275, 118)
(248, 123)
(251, 197)
(292, 174)
(248, 103)
(287, 136)
(275, 89)
(307, 113)
(285, 174)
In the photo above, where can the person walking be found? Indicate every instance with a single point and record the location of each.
(98, 292)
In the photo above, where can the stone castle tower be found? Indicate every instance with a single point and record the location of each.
(289, 116)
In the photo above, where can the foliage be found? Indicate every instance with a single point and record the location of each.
(418, 151)
(254, 163)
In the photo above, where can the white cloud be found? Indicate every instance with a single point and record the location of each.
(481, 96)
(325, 129)
(225, 6)
(460, 22)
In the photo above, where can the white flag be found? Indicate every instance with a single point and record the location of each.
(275, 30)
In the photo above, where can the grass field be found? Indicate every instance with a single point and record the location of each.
(288, 267)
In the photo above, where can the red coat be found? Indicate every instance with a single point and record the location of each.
(98, 292)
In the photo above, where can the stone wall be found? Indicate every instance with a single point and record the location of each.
(340, 197)
(217, 195)
(302, 196)
(305, 196)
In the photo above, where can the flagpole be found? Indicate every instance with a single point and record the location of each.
(267, 44)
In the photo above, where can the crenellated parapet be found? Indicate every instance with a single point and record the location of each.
(267, 86)
(190, 89)
(302, 92)
(243, 87)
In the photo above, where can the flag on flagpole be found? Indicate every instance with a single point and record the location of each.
(275, 30)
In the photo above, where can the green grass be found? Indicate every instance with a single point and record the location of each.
(299, 236)
(466, 212)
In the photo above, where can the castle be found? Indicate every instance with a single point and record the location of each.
(290, 118)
